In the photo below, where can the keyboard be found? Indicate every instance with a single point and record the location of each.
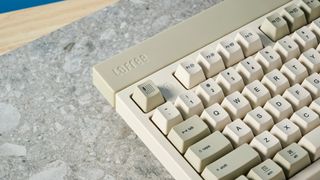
(231, 93)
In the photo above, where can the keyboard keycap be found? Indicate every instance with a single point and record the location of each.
(269, 59)
(209, 92)
(286, 131)
(292, 159)
(311, 60)
(187, 133)
(278, 108)
(315, 105)
(267, 170)
(297, 96)
(312, 84)
(294, 16)
(275, 27)
(306, 119)
(311, 143)
(276, 82)
(208, 150)
(232, 165)
(250, 70)
(256, 93)
(238, 133)
(236, 105)
(305, 38)
(230, 51)
(189, 74)
(258, 120)
(311, 172)
(294, 71)
(242, 177)
(216, 117)
(266, 144)
(311, 9)
(315, 27)
(287, 49)
(189, 104)
(249, 41)
(230, 81)
(211, 62)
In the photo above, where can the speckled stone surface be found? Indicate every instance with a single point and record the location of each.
(54, 124)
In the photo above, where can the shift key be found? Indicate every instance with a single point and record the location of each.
(232, 165)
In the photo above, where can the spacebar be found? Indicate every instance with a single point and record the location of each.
(311, 172)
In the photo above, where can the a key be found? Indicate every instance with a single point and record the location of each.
(208, 150)
(286, 131)
(256, 93)
(292, 159)
(315, 105)
(189, 104)
(297, 96)
(238, 133)
(275, 27)
(294, 16)
(148, 96)
(232, 165)
(269, 59)
(230, 52)
(242, 177)
(236, 105)
(211, 62)
(209, 92)
(189, 74)
(267, 170)
(187, 133)
(250, 70)
(311, 9)
(305, 38)
(306, 119)
(276, 82)
(311, 143)
(311, 60)
(294, 71)
(311, 172)
(230, 81)
(266, 144)
(287, 49)
(166, 116)
(249, 41)
(258, 120)
(315, 27)
(312, 84)
(216, 117)
(278, 108)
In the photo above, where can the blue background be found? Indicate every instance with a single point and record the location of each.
(11, 5)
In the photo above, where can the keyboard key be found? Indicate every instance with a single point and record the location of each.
(189, 104)
(249, 41)
(256, 93)
(286, 131)
(269, 59)
(278, 108)
(250, 70)
(276, 82)
(297, 96)
(216, 117)
(306, 119)
(242, 177)
(211, 62)
(295, 17)
(315, 27)
(311, 172)
(305, 38)
(232, 165)
(230, 81)
(230, 51)
(258, 120)
(148, 96)
(209, 92)
(294, 71)
(311, 9)
(292, 159)
(187, 133)
(315, 105)
(287, 49)
(311, 60)
(238, 133)
(311, 143)
(266, 144)
(189, 74)
(312, 84)
(267, 170)
(208, 150)
(236, 105)
(275, 27)
(166, 116)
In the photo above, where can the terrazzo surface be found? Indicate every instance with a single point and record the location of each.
(54, 124)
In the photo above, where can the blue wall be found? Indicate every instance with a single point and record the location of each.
(11, 5)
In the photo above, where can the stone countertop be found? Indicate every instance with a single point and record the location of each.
(54, 124)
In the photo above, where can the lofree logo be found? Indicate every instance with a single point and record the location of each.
(130, 65)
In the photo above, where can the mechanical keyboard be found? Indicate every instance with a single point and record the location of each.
(231, 93)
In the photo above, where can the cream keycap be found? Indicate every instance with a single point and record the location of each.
(295, 17)
(315, 105)
(276, 82)
(278, 108)
(275, 27)
(312, 84)
(297, 96)
(215, 117)
(269, 59)
(315, 27)
(209, 92)
(211, 62)
(286, 131)
(311, 60)
(256, 93)
(250, 70)
(236, 105)
(187, 133)
(311, 172)
(305, 38)
(208, 150)
(189, 104)
(292, 159)
(311, 9)
(238, 133)
(287, 49)
(189, 74)
(232, 165)
(306, 119)
(294, 71)
(249, 41)
(311, 143)
(266, 144)
(242, 177)
(230, 51)
(258, 120)
(268, 169)
(148, 96)
(230, 81)
(166, 116)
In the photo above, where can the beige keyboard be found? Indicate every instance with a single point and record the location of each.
(231, 93)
